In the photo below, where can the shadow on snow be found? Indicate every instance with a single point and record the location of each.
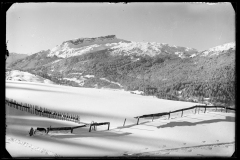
(185, 123)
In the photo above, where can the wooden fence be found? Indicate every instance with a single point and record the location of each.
(197, 107)
(94, 124)
(41, 111)
(65, 128)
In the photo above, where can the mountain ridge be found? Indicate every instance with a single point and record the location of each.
(138, 65)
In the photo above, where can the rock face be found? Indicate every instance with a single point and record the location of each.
(81, 46)
(117, 47)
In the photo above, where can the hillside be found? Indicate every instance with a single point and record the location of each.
(178, 73)
(15, 75)
(13, 57)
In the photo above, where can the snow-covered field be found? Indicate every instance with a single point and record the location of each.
(203, 134)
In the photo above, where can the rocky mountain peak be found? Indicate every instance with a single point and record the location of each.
(91, 40)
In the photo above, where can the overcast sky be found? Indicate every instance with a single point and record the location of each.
(32, 27)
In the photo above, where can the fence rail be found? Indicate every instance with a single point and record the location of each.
(41, 111)
(65, 128)
(181, 110)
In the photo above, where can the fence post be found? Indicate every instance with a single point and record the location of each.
(32, 109)
(226, 109)
(108, 125)
(37, 110)
(43, 114)
(195, 110)
(16, 104)
(205, 109)
(182, 113)
(124, 122)
(20, 108)
(152, 118)
(137, 120)
(169, 114)
(90, 127)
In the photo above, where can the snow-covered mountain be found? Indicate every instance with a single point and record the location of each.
(151, 49)
(218, 49)
(117, 47)
(16, 75)
(110, 62)
(81, 46)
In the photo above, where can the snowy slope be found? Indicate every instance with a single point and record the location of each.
(16, 75)
(218, 49)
